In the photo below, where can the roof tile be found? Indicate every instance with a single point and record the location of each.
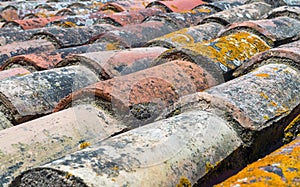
(176, 5)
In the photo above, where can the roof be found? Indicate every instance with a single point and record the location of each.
(149, 93)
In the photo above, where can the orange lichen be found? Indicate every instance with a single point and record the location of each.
(273, 103)
(115, 168)
(184, 182)
(288, 135)
(204, 10)
(84, 145)
(173, 6)
(255, 175)
(262, 75)
(67, 24)
(68, 175)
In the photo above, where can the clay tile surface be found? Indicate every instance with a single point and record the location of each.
(138, 97)
(109, 64)
(149, 93)
(280, 168)
(70, 37)
(30, 23)
(276, 31)
(19, 48)
(187, 36)
(176, 5)
(129, 17)
(289, 11)
(245, 12)
(287, 54)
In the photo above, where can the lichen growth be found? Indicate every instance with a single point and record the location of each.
(184, 182)
(262, 75)
(112, 46)
(291, 131)
(68, 175)
(84, 145)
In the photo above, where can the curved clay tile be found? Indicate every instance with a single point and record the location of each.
(13, 72)
(9, 14)
(204, 142)
(275, 32)
(70, 37)
(129, 17)
(147, 155)
(33, 95)
(280, 168)
(221, 5)
(77, 20)
(10, 35)
(176, 5)
(187, 36)
(253, 11)
(136, 35)
(289, 11)
(20, 48)
(183, 19)
(286, 54)
(138, 97)
(53, 136)
(120, 6)
(221, 55)
(65, 12)
(30, 23)
(109, 64)
(33, 62)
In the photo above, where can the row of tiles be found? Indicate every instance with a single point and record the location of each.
(189, 71)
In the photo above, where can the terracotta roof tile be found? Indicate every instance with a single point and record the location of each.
(245, 12)
(13, 72)
(70, 37)
(290, 11)
(120, 6)
(219, 56)
(276, 31)
(175, 5)
(280, 168)
(287, 54)
(30, 23)
(138, 97)
(109, 64)
(55, 137)
(33, 95)
(19, 48)
(129, 17)
(187, 36)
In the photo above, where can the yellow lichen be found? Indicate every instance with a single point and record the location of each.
(266, 117)
(112, 46)
(264, 95)
(293, 123)
(273, 103)
(208, 167)
(68, 175)
(262, 75)
(235, 47)
(84, 145)
(67, 24)
(204, 10)
(288, 135)
(184, 182)
(115, 168)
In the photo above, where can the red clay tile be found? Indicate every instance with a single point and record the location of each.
(184, 19)
(109, 64)
(120, 6)
(30, 23)
(9, 13)
(13, 72)
(276, 31)
(51, 137)
(258, 105)
(33, 62)
(288, 54)
(176, 5)
(219, 56)
(19, 48)
(129, 17)
(289, 11)
(138, 97)
(78, 20)
(187, 36)
(134, 35)
(253, 11)
(33, 95)
(280, 168)
(70, 37)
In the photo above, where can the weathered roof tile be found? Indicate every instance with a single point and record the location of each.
(175, 5)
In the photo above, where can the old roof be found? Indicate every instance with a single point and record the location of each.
(149, 93)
